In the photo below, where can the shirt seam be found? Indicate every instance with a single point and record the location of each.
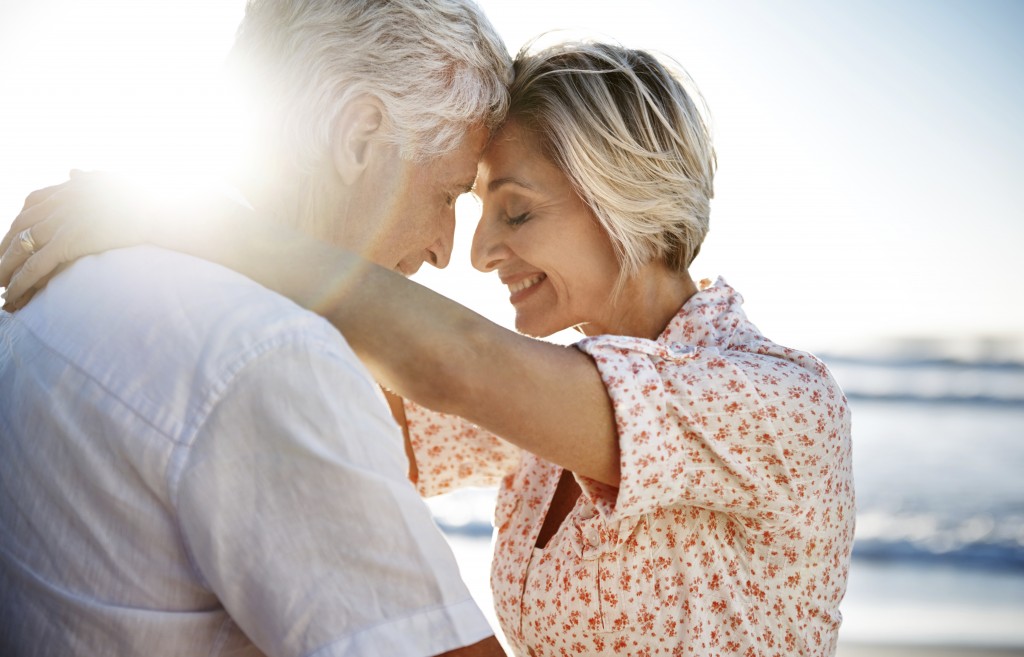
(68, 361)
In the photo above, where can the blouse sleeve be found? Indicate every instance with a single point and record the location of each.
(453, 453)
(750, 434)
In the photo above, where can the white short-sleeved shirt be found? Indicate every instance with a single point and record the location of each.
(731, 531)
(192, 465)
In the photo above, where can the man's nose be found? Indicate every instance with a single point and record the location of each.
(439, 254)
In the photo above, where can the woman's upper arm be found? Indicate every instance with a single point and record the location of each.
(725, 432)
(545, 398)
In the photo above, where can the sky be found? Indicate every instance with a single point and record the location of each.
(870, 153)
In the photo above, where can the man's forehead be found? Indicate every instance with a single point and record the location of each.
(460, 165)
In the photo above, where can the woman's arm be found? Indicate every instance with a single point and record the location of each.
(544, 398)
(547, 399)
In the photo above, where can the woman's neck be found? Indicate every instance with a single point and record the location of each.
(646, 304)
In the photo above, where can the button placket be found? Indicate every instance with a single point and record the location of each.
(589, 538)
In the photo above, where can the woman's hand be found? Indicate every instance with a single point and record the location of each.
(88, 214)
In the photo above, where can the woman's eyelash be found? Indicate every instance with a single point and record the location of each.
(518, 220)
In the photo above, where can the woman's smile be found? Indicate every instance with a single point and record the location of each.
(525, 287)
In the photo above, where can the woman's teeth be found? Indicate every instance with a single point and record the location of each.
(525, 283)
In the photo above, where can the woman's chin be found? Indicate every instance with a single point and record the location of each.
(535, 329)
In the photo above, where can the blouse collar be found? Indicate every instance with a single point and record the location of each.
(709, 318)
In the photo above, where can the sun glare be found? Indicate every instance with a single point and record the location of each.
(849, 177)
(123, 86)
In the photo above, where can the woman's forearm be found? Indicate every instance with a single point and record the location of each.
(545, 398)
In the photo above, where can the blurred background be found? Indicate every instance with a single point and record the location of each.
(868, 207)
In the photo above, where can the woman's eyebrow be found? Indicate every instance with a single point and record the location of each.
(509, 180)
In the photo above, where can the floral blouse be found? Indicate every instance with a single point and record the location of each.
(730, 532)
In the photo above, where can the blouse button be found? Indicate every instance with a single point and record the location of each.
(679, 349)
(593, 537)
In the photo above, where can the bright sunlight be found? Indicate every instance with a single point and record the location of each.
(117, 85)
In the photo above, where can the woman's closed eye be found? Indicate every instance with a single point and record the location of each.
(518, 220)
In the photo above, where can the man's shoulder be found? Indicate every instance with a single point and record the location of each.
(151, 290)
(164, 333)
(149, 315)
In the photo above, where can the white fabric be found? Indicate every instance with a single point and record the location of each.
(193, 465)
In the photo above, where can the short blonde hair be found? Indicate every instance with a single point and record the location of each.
(437, 66)
(630, 138)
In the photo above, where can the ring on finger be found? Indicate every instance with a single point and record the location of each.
(27, 243)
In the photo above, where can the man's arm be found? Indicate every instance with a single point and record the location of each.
(296, 513)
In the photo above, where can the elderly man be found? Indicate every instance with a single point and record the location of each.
(190, 464)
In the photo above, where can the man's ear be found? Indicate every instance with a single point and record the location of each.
(356, 128)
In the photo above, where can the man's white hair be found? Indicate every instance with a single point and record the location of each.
(437, 67)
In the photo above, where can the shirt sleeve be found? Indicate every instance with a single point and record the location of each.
(294, 505)
(740, 433)
(454, 453)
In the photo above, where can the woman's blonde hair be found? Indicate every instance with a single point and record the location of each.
(629, 137)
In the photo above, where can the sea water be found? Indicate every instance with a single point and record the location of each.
(939, 470)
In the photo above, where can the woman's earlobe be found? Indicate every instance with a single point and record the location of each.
(356, 129)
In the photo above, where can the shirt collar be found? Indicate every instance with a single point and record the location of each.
(710, 318)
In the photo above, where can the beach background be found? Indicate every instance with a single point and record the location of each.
(868, 207)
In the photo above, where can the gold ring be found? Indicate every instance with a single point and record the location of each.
(26, 241)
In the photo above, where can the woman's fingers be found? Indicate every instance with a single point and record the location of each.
(32, 277)
(29, 215)
(29, 272)
(9, 263)
(90, 213)
(20, 302)
(36, 227)
(22, 270)
(14, 257)
(87, 215)
(40, 195)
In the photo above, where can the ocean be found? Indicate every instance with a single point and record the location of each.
(939, 470)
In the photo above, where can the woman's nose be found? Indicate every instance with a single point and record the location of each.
(488, 250)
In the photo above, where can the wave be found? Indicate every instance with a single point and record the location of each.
(980, 556)
(988, 556)
(930, 380)
(991, 540)
(954, 547)
(944, 362)
(473, 529)
(910, 398)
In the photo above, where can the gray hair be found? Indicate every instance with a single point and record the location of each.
(630, 138)
(437, 66)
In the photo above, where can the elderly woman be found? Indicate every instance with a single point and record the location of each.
(675, 483)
